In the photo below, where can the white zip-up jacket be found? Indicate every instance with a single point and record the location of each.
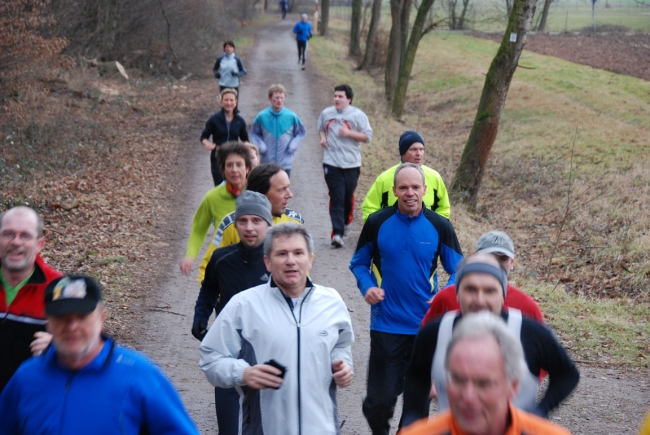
(258, 325)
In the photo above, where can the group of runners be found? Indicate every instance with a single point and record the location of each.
(280, 345)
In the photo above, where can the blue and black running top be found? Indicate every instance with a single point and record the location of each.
(400, 254)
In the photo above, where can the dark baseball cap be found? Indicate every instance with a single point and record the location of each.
(72, 294)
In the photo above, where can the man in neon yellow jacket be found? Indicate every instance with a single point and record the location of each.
(268, 179)
(411, 150)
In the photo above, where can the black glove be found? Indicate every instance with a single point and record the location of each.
(199, 329)
(234, 74)
(217, 75)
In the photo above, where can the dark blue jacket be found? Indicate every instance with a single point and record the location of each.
(400, 255)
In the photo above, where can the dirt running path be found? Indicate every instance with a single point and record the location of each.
(607, 402)
(167, 338)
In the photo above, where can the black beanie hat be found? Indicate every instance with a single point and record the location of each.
(407, 139)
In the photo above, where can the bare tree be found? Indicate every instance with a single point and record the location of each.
(417, 32)
(468, 177)
(371, 41)
(324, 17)
(395, 44)
(457, 22)
(542, 21)
(355, 29)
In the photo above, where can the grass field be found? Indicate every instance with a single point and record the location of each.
(564, 15)
(566, 178)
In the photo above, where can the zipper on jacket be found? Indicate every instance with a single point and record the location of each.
(68, 384)
(298, 326)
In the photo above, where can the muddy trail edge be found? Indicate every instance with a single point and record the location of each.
(606, 402)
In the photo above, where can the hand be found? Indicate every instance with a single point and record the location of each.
(323, 142)
(199, 329)
(374, 295)
(342, 373)
(186, 265)
(41, 342)
(234, 74)
(217, 75)
(208, 144)
(433, 394)
(344, 131)
(262, 376)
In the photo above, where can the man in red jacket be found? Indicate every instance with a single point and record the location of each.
(500, 245)
(23, 278)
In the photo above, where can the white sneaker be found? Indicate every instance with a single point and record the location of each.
(346, 230)
(337, 241)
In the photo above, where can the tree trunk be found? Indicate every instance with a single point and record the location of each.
(461, 20)
(394, 57)
(371, 43)
(404, 28)
(355, 29)
(452, 15)
(409, 58)
(469, 174)
(324, 16)
(542, 21)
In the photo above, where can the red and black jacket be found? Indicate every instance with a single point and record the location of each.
(24, 317)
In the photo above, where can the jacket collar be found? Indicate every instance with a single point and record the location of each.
(100, 362)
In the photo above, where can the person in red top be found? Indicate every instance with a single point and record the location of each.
(500, 245)
(484, 367)
(23, 278)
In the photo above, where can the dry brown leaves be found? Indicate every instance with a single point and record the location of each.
(103, 218)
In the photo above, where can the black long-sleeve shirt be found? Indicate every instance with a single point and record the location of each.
(542, 350)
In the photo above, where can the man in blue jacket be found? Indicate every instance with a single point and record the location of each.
(396, 258)
(84, 383)
(302, 29)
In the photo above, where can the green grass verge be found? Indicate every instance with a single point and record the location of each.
(546, 106)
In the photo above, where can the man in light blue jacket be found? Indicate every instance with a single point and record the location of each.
(277, 131)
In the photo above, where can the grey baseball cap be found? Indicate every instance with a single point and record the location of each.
(496, 242)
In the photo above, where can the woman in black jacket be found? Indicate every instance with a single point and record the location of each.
(225, 125)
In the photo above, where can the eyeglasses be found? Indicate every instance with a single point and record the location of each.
(9, 235)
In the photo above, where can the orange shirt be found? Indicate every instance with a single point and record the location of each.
(522, 423)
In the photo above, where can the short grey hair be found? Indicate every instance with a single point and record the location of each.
(287, 229)
(485, 324)
(408, 165)
(24, 210)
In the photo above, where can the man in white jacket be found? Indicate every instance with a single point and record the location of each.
(285, 345)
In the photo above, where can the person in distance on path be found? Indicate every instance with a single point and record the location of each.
(232, 269)
(342, 129)
(285, 345)
(84, 383)
(302, 29)
(24, 275)
(235, 164)
(498, 244)
(284, 7)
(277, 131)
(268, 179)
(224, 126)
(483, 368)
(411, 150)
(481, 284)
(394, 263)
(229, 68)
